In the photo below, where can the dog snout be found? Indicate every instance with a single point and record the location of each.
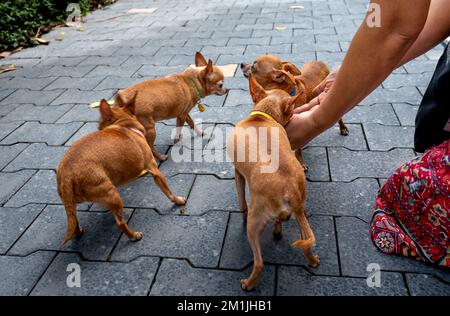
(246, 69)
(222, 91)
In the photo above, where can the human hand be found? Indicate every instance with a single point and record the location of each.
(321, 91)
(308, 106)
(301, 129)
(327, 83)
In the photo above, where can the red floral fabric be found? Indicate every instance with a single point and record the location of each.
(412, 215)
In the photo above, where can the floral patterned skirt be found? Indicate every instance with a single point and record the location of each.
(412, 215)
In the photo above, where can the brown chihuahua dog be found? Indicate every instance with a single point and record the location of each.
(97, 163)
(174, 96)
(270, 197)
(272, 73)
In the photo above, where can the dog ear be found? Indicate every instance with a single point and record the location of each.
(256, 91)
(120, 99)
(281, 76)
(105, 110)
(126, 102)
(289, 67)
(208, 69)
(292, 103)
(200, 61)
(278, 76)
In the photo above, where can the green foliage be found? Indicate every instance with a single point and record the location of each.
(21, 19)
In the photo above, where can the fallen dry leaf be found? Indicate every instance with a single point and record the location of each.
(97, 104)
(228, 70)
(40, 40)
(141, 10)
(18, 49)
(6, 68)
(297, 7)
(60, 37)
(5, 54)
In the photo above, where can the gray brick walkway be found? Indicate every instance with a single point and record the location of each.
(200, 248)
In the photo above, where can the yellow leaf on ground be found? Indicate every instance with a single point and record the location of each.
(144, 172)
(6, 68)
(141, 10)
(280, 28)
(60, 36)
(40, 40)
(5, 54)
(228, 70)
(97, 104)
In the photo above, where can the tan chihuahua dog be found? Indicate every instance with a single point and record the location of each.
(174, 96)
(272, 73)
(97, 163)
(270, 197)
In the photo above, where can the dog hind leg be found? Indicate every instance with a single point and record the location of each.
(111, 200)
(308, 239)
(163, 185)
(255, 227)
(240, 189)
(73, 227)
(150, 136)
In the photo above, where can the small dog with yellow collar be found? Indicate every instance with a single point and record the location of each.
(274, 195)
(174, 96)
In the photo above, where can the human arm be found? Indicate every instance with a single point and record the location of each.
(373, 53)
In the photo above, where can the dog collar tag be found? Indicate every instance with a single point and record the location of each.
(294, 91)
(201, 107)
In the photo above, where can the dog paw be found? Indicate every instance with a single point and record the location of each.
(314, 262)
(179, 200)
(344, 131)
(80, 232)
(245, 285)
(137, 236)
(163, 157)
(200, 133)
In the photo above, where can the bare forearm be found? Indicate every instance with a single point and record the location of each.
(372, 55)
(435, 30)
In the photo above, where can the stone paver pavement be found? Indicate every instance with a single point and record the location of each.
(201, 248)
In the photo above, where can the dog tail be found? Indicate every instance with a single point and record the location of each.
(66, 193)
(308, 240)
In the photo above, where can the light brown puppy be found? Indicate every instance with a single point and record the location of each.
(273, 196)
(174, 96)
(272, 73)
(97, 163)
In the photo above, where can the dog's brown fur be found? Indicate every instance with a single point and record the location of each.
(97, 163)
(174, 96)
(272, 73)
(270, 197)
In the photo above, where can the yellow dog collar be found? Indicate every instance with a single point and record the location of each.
(267, 116)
